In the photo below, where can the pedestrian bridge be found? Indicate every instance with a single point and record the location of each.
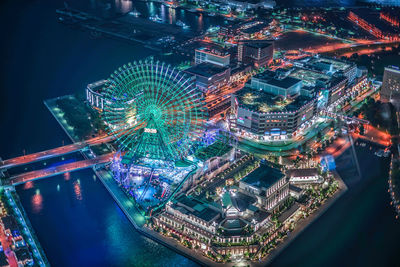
(52, 171)
(54, 152)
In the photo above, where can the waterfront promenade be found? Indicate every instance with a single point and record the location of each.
(138, 221)
(34, 245)
(304, 223)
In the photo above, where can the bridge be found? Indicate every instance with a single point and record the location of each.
(59, 151)
(52, 171)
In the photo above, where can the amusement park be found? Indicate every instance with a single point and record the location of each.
(226, 130)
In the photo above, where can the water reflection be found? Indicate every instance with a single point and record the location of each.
(78, 190)
(67, 176)
(28, 185)
(163, 16)
(37, 202)
(123, 6)
(171, 15)
(200, 23)
(151, 8)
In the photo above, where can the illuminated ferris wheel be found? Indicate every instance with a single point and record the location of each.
(153, 110)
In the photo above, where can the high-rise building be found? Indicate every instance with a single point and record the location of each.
(391, 83)
(258, 53)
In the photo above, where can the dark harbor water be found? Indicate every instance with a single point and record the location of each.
(75, 218)
(360, 228)
(79, 224)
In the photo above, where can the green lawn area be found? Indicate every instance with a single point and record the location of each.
(79, 118)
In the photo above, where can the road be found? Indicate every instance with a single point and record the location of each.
(58, 151)
(34, 175)
(6, 243)
(375, 135)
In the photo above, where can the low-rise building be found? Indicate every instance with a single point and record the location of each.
(214, 158)
(191, 217)
(23, 256)
(296, 192)
(95, 94)
(332, 66)
(213, 56)
(269, 185)
(304, 176)
(209, 76)
(262, 115)
(270, 82)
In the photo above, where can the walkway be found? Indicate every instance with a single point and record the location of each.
(58, 151)
(33, 247)
(38, 174)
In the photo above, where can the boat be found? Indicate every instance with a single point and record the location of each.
(193, 10)
(181, 24)
(135, 13)
(156, 18)
(212, 14)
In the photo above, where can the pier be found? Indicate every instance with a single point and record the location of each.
(125, 27)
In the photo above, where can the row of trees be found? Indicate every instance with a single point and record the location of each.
(246, 170)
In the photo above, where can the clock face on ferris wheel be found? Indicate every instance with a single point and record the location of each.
(153, 110)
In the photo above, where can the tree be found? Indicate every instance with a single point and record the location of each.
(362, 130)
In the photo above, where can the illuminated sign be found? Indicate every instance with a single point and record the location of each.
(149, 130)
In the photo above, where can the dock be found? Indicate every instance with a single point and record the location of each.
(125, 27)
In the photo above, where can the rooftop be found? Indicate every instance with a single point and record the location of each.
(216, 52)
(372, 17)
(262, 102)
(255, 28)
(295, 188)
(336, 63)
(260, 215)
(302, 172)
(263, 177)
(9, 222)
(309, 77)
(217, 149)
(286, 214)
(206, 69)
(195, 207)
(257, 43)
(285, 83)
(22, 254)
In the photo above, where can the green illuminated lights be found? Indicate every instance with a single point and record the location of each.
(154, 110)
